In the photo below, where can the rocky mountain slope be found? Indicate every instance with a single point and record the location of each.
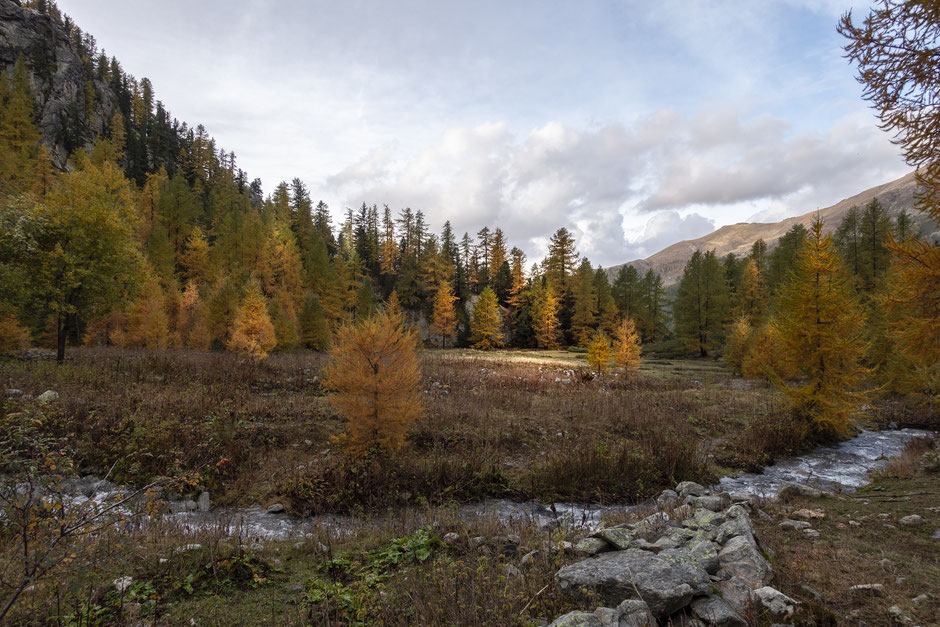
(738, 238)
(72, 105)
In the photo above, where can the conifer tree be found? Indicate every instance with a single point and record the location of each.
(314, 332)
(585, 305)
(193, 325)
(598, 354)
(195, 259)
(627, 346)
(374, 383)
(19, 137)
(653, 318)
(626, 291)
(821, 330)
(147, 324)
(560, 265)
(443, 316)
(518, 274)
(701, 306)
(765, 357)
(738, 342)
(393, 308)
(252, 331)
(752, 293)
(365, 301)
(486, 326)
(546, 323)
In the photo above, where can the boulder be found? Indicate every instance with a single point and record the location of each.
(617, 537)
(275, 508)
(794, 525)
(592, 546)
(635, 613)
(736, 592)
(741, 558)
(790, 490)
(202, 503)
(666, 582)
(687, 488)
(608, 616)
(706, 554)
(49, 396)
(577, 619)
(451, 539)
(774, 601)
(913, 520)
(666, 497)
(716, 611)
(715, 503)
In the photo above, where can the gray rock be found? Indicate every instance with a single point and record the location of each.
(715, 503)
(914, 520)
(736, 592)
(875, 589)
(592, 546)
(812, 534)
(477, 541)
(775, 602)
(741, 558)
(451, 538)
(49, 396)
(811, 593)
(764, 515)
(687, 488)
(897, 614)
(635, 613)
(122, 584)
(13, 393)
(666, 582)
(936, 535)
(577, 619)
(202, 503)
(706, 554)
(704, 519)
(609, 617)
(179, 507)
(529, 558)
(745, 497)
(794, 525)
(617, 537)
(920, 598)
(738, 523)
(716, 611)
(666, 497)
(511, 572)
(789, 491)
(275, 508)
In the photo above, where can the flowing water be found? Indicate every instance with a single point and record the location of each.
(839, 467)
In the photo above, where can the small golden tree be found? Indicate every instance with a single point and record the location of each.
(485, 331)
(822, 329)
(599, 353)
(765, 357)
(627, 346)
(443, 317)
(252, 332)
(13, 335)
(374, 382)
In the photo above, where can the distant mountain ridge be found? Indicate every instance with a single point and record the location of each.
(738, 238)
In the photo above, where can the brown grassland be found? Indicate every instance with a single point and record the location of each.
(516, 424)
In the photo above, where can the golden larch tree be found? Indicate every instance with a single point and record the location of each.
(13, 335)
(821, 328)
(547, 326)
(374, 382)
(486, 326)
(627, 346)
(765, 357)
(598, 354)
(443, 316)
(252, 331)
(737, 342)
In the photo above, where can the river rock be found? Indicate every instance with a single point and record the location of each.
(716, 611)
(741, 558)
(667, 582)
(577, 619)
(592, 546)
(775, 602)
(790, 490)
(49, 396)
(666, 497)
(635, 613)
(617, 537)
(687, 488)
(914, 520)
(706, 554)
(715, 503)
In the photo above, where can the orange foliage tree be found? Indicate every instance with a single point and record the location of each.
(598, 355)
(485, 331)
(627, 346)
(547, 326)
(443, 317)
(253, 332)
(822, 328)
(13, 335)
(374, 382)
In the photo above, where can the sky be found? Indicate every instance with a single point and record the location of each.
(634, 124)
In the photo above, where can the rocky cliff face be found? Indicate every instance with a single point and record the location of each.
(58, 76)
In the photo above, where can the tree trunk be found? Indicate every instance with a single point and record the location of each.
(61, 331)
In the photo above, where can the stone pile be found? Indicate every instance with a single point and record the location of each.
(700, 563)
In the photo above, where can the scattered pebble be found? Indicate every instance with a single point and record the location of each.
(276, 508)
(812, 534)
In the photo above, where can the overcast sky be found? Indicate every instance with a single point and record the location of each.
(635, 124)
